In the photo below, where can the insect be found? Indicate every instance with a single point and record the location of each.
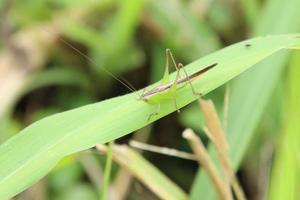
(167, 90)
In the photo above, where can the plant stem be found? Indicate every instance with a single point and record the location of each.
(107, 172)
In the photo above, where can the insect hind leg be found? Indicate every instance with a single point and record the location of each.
(180, 66)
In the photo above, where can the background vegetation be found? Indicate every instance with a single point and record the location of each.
(41, 75)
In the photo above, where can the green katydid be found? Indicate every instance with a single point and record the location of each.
(167, 90)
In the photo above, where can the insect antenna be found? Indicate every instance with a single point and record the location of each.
(119, 79)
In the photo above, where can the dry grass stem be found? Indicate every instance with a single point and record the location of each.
(162, 150)
(123, 180)
(206, 162)
(213, 123)
(225, 107)
(125, 157)
(122, 184)
(217, 135)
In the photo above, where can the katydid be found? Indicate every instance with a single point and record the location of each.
(167, 90)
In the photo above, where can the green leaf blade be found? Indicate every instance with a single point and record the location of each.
(249, 104)
(29, 155)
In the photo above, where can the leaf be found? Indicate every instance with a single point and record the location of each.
(147, 173)
(285, 173)
(252, 91)
(32, 153)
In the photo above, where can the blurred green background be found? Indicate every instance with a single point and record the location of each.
(40, 74)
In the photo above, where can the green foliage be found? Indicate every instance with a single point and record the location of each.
(149, 174)
(107, 172)
(285, 182)
(245, 94)
(59, 135)
(128, 38)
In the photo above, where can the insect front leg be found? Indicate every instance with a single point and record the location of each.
(173, 88)
(155, 113)
(170, 56)
(175, 103)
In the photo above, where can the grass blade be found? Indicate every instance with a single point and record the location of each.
(242, 118)
(107, 172)
(285, 174)
(32, 153)
(147, 173)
